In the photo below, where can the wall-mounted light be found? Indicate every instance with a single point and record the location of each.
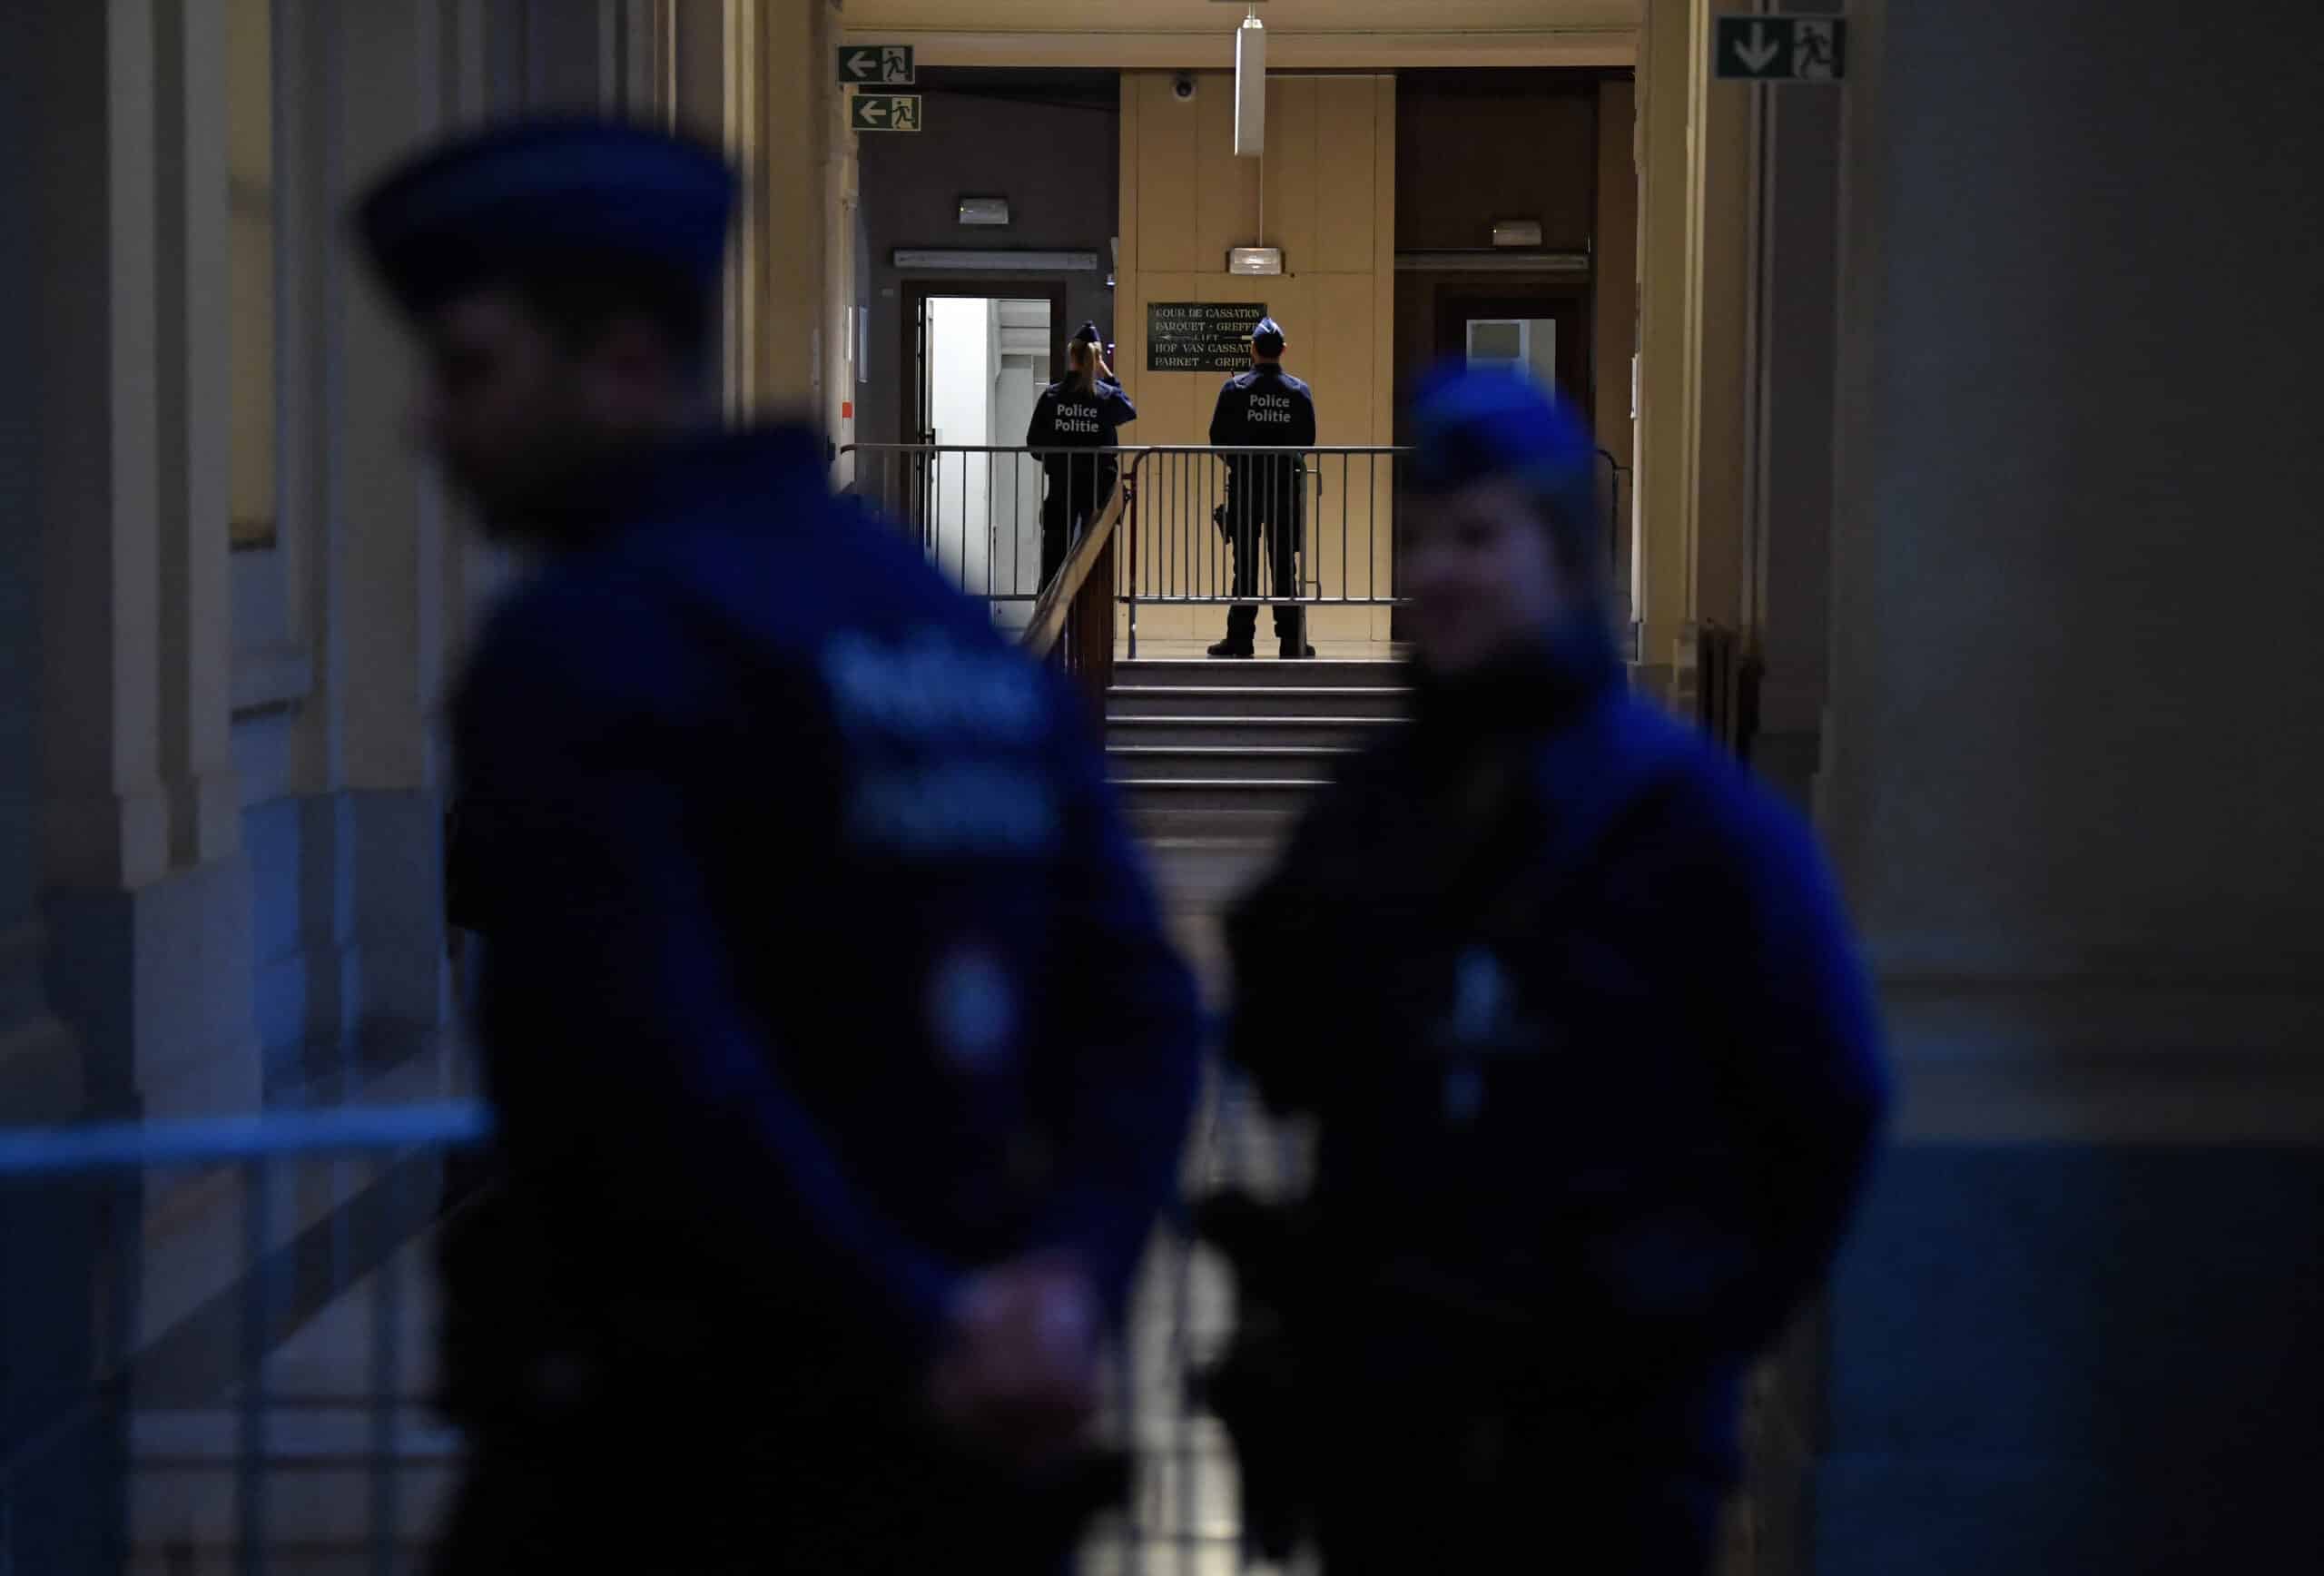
(1517, 233)
(984, 211)
(936, 260)
(1250, 88)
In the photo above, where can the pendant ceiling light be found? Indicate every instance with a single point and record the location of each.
(1250, 88)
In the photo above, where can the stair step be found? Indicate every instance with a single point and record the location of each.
(1263, 672)
(1222, 763)
(1161, 819)
(1211, 861)
(1246, 731)
(1282, 797)
(1369, 703)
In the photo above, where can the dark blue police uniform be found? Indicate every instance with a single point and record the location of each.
(1067, 417)
(819, 972)
(1266, 494)
(1596, 1083)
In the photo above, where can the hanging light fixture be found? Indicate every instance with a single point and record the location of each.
(1250, 87)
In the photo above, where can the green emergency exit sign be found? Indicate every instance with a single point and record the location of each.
(885, 112)
(1781, 48)
(876, 65)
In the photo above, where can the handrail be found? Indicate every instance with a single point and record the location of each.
(215, 1141)
(1056, 600)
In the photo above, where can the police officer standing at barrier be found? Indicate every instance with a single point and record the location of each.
(840, 1062)
(1086, 412)
(1595, 1076)
(1267, 408)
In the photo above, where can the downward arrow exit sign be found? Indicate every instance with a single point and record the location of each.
(1781, 48)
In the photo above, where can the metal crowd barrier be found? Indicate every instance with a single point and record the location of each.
(978, 510)
(281, 1421)
(1208, 527)
(184, 1448)
(1201, 526)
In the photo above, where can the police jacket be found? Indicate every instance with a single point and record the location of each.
(820, 968)
(1065, 416)
(1596, 1071)
(1265, 407)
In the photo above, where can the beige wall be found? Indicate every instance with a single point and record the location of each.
(1329, 191)
(755, 76)
(795, 214)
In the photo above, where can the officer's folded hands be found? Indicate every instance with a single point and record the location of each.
(1020, 1375)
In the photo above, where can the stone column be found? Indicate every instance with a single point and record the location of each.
(150, 892)
(119, 507)
(2071, 784)
(1795, 319)
(1697, 173)
(354, 851)
(1658, 549)
(41, 1076)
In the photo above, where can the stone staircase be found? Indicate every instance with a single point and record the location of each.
(1228, 751)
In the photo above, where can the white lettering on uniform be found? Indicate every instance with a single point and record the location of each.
(955, 807)
(931, 687)
(1077, 418)
(1273, 407)
(931, 719)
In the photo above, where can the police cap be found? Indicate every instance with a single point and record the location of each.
(563, 196)
(1470, 425)
(1086, 334)
(1267, 336)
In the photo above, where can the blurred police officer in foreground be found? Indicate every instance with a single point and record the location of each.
(839, 1061)
(1088, 411)
(1265, 407)
(1595, 1075)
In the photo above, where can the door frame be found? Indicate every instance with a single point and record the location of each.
(1456, 302)
(915, 293)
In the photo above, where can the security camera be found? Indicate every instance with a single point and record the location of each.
(1182, 87)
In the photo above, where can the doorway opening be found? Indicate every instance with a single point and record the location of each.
(1539, 330)
(1527, 345)
(981, 355)
(1538, 326)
